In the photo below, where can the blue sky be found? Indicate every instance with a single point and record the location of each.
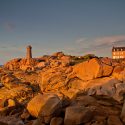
(76, 27)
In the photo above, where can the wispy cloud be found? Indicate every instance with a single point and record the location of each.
(100, 45)
(110, 40)
(9, 26)
(80, 40)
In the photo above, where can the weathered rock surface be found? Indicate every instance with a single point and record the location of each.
(85, 76)
(37, 122)
(92, 69)
(27, 77)
(123, 113)
(11, 120)
(110, 87)
(23, 64)
(54, 79)
(76, 115)
(119, 73)
(9, 81)
(20, 93)
(114, 120)
(56, 121)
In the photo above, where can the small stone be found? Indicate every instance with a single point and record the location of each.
(15, 121)
(19, 123)
(25, 115)
(56, 121)
(37, 122)
(98, 123)
(11, 103)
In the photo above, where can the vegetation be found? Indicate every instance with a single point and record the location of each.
(76, 59)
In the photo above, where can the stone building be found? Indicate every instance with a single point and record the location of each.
(118, 52)
(29, 52)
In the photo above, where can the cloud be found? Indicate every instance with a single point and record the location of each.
(9, 26)
(110, 40)
(81, 40)
(100, 46)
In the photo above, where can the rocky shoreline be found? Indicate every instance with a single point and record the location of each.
(62, 90)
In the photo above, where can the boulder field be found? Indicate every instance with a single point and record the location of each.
(62, 90)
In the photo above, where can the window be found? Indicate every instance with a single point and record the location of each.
(118, 57)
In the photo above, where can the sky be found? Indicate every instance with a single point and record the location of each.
(76, 27)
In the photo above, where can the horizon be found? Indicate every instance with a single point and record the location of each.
(74, 27)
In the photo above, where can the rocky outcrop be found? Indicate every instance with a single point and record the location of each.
(85, 71)
(52, 79)
(107, 86)
(20, 93)
(23, 64)
(27, 77)
(89, 76)
(55, 60)
(9, 81)
(87, 110)
(71, 90)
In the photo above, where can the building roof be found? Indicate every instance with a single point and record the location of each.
(118, 49)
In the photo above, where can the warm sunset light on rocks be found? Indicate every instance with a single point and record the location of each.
(62, 62)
